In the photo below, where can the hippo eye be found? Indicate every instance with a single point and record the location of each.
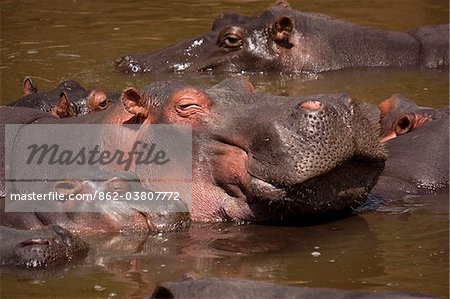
(187, 107)
(231, 37)
(118, 185)
(232, 41)
(103, 104)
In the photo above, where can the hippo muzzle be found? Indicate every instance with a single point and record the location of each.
(292, 159)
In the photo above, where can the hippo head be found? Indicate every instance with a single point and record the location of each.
(97, 100)
(266, 158)
(53, 246)
(237, 43)
(120, 215)
(399, 115)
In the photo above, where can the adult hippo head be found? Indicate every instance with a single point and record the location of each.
(256, 157)
(265, 158)
(289, 41)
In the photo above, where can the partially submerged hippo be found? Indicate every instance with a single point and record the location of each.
(417, 140)
(256, 157)
(289, 41)
(238, 288)
(38, 240)
(68, 99)
(45, 247)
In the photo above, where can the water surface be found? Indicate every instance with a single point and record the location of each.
(404, 246)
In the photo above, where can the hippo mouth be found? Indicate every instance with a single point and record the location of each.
(332, 194)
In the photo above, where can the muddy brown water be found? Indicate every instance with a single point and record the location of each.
(402, 246)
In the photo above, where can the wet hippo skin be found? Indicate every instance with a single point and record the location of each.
(285, 40)
(68, 99)
(38, 240)
(238, 288)
(256, 157)
(417, 140)
(46, 247)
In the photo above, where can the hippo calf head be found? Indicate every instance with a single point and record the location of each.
(48, 246)
(68, 99)
(266, 158)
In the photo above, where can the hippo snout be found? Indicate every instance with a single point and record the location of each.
(54, 246)
(318, 156)
(303, 142)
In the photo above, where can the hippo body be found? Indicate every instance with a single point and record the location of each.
(290, 41)
(417, 140)
(256, 157)
(233, 288)
(68, 99)
(254, 153)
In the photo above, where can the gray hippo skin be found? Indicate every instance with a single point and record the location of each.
(49, 246)
(256, 157)
(68, 99)
(37, 240)
(290, 41)
(219, 288)
(417, 140)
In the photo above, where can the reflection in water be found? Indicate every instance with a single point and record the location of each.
(400, 248)
(403, 247)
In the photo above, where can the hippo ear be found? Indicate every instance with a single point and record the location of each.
(386, 106)
(282, 4)
(63, 100)
(281, 31)
(63, 109)
(28, 86)
(135, 103)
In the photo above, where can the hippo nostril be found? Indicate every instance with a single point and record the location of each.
(135, 68)
(311, 105)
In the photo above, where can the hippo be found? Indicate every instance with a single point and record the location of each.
(118, 217)
(233, 288)
(288, 41)
(38, 240)
(68, 99)
(255, 157)
(417, 140)
(46, 247)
